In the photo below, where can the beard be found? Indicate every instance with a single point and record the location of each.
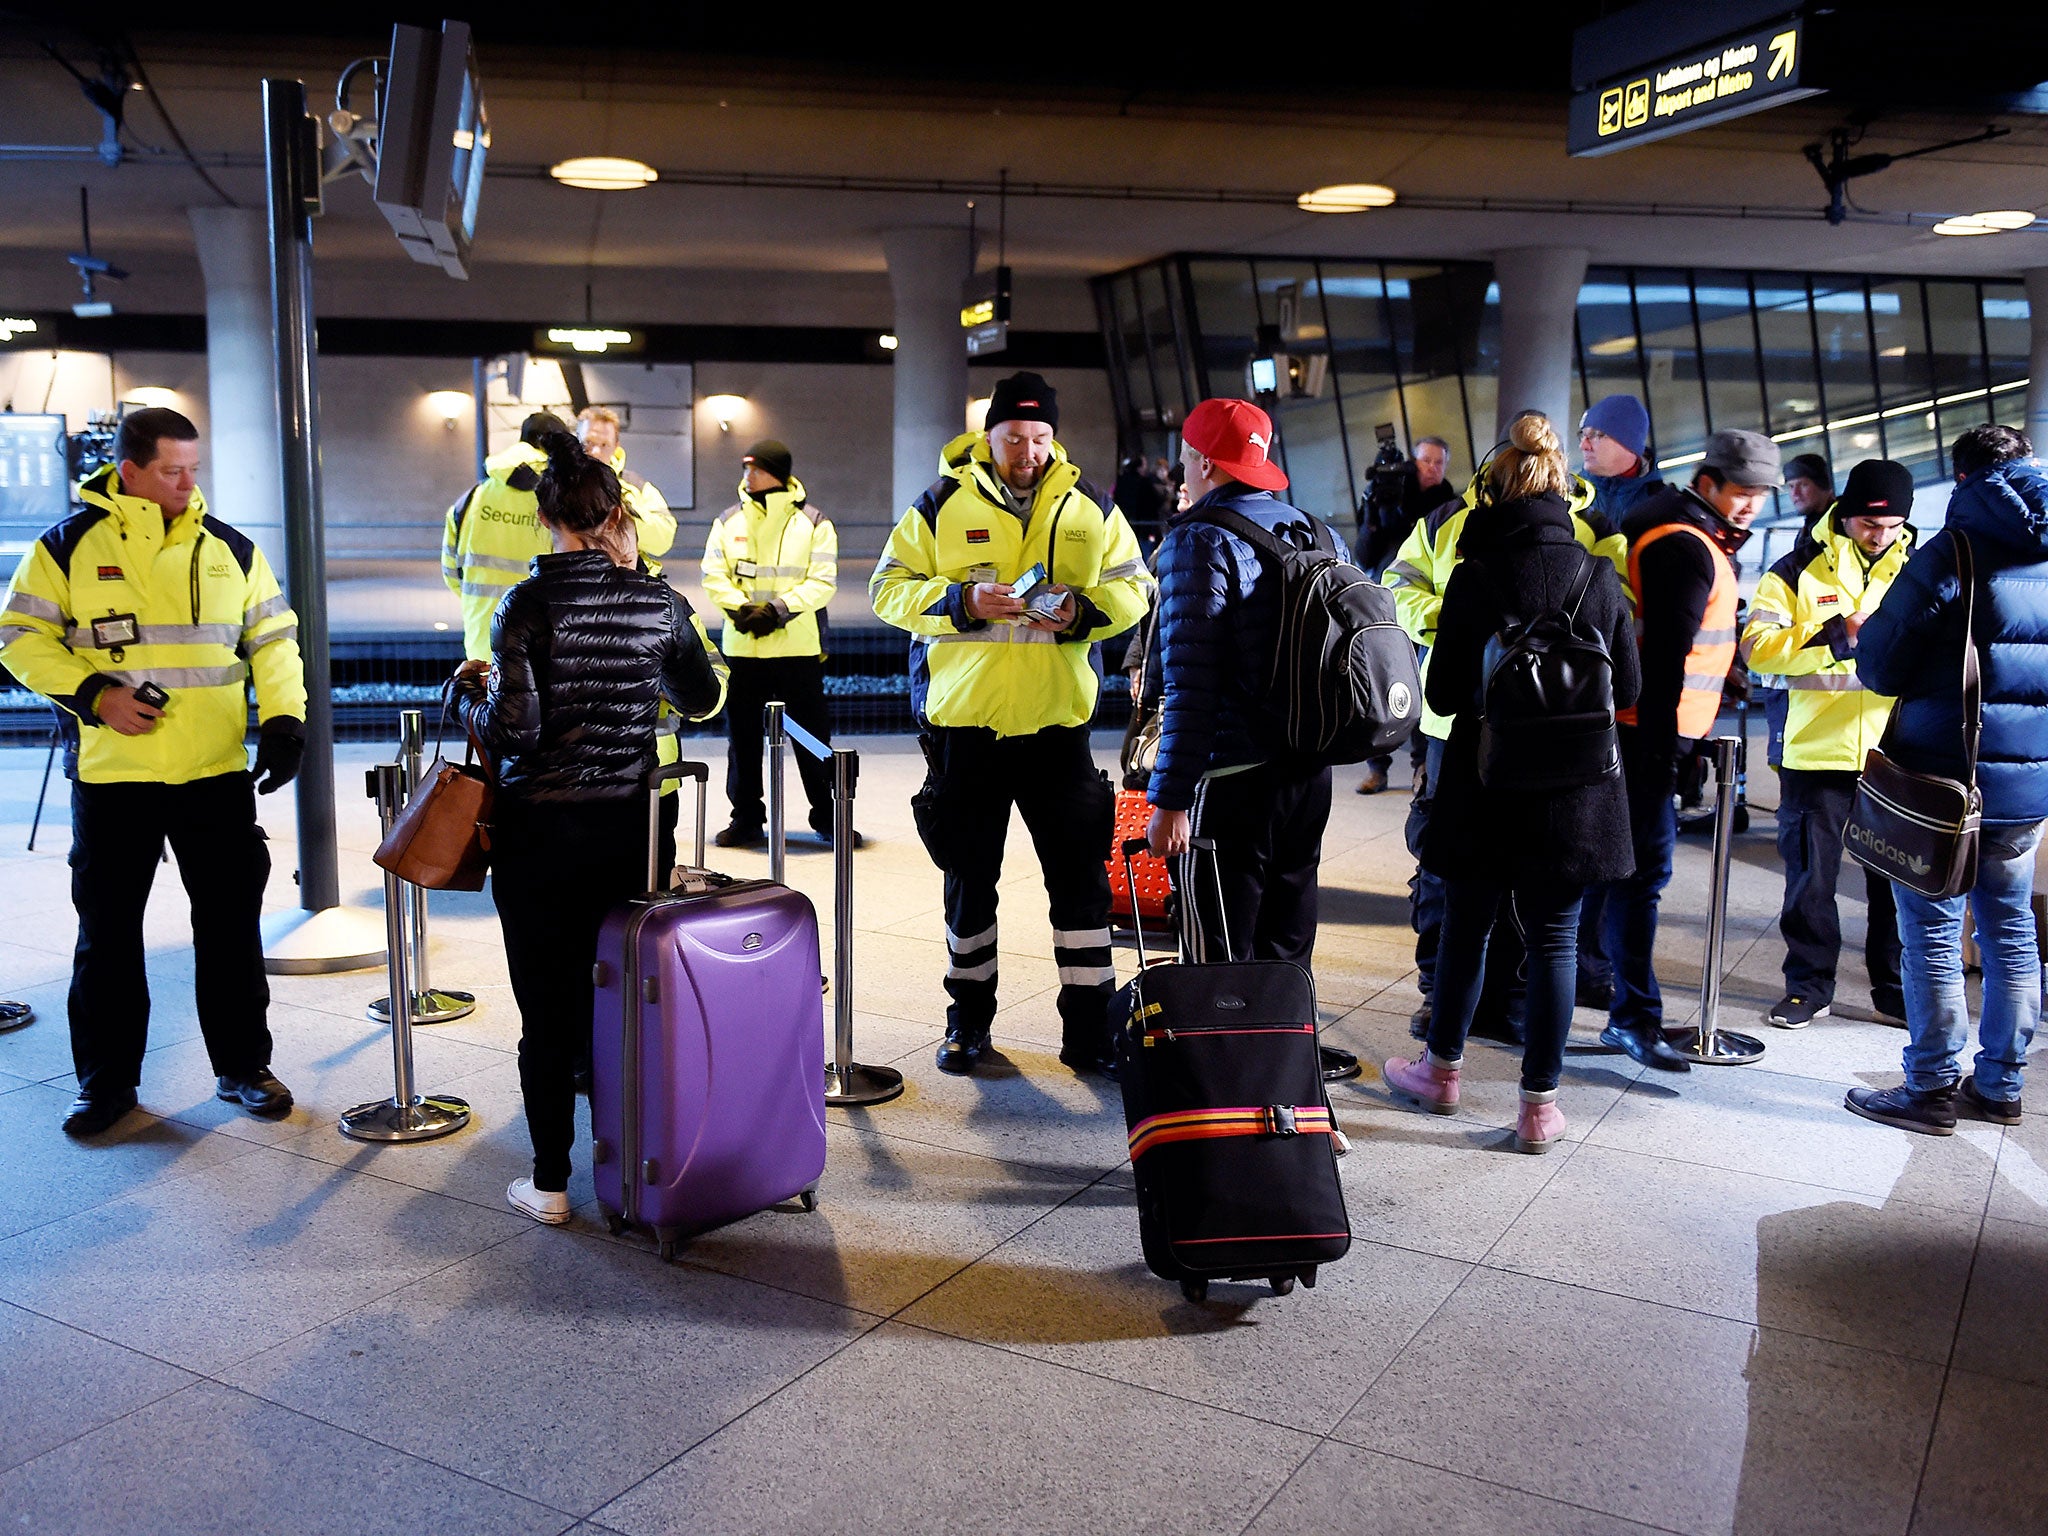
(1021, 478)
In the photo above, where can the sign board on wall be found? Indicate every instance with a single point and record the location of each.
(35, 482)
(1690, 87)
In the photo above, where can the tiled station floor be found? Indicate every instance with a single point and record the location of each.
(1725, 1306)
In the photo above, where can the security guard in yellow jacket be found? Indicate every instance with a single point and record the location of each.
(1004, 683)
(144, 619)
(771, 565)
(1802, 629)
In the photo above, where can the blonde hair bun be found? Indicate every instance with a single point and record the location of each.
(1534, 434)
(1531, 463)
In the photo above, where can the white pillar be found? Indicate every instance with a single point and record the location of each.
(2037, 377)
(241, 478)
(1539, 300)
(926, 268)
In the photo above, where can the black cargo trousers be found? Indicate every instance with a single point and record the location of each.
(118, 833)
(972, 779)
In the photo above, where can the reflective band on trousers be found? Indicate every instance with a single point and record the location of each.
(165, 634)
(1713, 647)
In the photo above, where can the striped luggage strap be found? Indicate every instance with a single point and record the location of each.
(1254, 1120)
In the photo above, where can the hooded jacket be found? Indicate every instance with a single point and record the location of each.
(1213, 643)
(209, 617)
(1004, 677)
(773, 547)
(1912, 646)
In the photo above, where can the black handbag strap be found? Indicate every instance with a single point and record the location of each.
(1973, 682)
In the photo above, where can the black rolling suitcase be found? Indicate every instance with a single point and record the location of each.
(1231, 1136)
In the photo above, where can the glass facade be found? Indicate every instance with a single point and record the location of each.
(1844, 366)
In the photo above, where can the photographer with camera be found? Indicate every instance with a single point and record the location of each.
(1400, 493)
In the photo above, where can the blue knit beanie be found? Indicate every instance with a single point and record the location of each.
(1622, 418)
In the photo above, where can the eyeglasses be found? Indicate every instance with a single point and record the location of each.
(1592, 435)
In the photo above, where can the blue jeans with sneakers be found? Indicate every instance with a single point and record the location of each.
(1931, 935)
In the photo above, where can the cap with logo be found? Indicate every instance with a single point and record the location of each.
(770, 457)
(1023, 397)
(1235, 436)
(1877, 488)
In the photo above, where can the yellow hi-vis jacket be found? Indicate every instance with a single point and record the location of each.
(492, 534)
(206, 614)
(1429, 554)
(1796, 632)
(773, 548)
(1008, 678)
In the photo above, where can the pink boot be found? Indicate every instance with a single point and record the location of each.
(1540, 1124)
(1429, 1080)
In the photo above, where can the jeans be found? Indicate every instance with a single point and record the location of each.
(1813, 807)
(1931, 934)
(1425, 891)
(1548, 917)
(1632, 903)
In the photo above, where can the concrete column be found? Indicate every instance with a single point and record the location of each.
(1539, 299)
(2037, 376)
(241, 479)
(926, 268)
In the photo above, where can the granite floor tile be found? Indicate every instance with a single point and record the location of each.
(581, 1367)
(1988, 1463)
(62, 1383)
(1694, 1423)
(1436, 1184)
(2020, 1192)
(1050, 1450)
(2005, 1326)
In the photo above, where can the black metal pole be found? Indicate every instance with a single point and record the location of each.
(289, 142)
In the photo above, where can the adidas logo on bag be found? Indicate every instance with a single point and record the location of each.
(1889, 852)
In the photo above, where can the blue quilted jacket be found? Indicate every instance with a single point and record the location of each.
(1213, 643)
(1911, 647)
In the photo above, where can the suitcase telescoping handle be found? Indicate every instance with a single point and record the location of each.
(701, 772)
(1137, 845)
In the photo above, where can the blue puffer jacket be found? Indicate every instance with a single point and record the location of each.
(1912, 646)
(1217, 626)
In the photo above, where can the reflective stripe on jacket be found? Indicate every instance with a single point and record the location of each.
(1796, 634)
(773, 548)
(1713, 647)
(1008, 678)
(208, 617)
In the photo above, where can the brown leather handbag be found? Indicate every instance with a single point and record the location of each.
(441, 841)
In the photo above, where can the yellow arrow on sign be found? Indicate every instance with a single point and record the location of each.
(1782, 47)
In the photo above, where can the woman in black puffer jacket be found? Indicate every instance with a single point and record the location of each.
(1518, 559)
(583, 653)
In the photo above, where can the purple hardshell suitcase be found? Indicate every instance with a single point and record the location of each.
(708, 1049)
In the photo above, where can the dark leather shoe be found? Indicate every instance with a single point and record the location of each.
(1931, 1114)
(824, 835)
(1647, 1046)
(259, 1093)
(737, 836)
(89, 1116)
(1418, 1022)
(961, 1049)
(1100, 1060)
(1997, 1111)
(1338, 1065)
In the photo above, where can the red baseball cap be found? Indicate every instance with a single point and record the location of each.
(1235, 435)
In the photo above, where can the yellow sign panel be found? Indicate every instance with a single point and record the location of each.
(977, 314)
(1784, 51)
(1635, 110)
(1610, 111)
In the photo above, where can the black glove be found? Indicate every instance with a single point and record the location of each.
(279, 751)
(756, 619)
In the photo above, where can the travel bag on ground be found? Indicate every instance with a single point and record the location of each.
(1232, 1142)
(1140, 889)
(708, 1048)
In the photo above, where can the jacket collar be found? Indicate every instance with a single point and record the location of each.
(788, 497)
(138, 514)
(966, 460)
(500, 465)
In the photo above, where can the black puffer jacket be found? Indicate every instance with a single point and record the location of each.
(582, 654)
(1523, 556)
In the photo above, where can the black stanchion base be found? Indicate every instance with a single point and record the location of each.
(862, 1085)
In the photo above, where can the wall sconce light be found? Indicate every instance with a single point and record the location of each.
(152, 395)
(977, 415)
(886, 341)
(724, 408)
(449, 404)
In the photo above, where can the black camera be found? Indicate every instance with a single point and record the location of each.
(1386, 481)
(152, 695)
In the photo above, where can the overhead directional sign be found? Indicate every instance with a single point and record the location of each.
(1691, 87)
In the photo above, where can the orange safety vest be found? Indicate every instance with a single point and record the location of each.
(1713, 648)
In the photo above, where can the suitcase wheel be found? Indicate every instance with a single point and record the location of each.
(1308, 1277)
(1282, 1284)
(1196, 1291)
(809, 1198)
(614, 1224)
(665, 1248)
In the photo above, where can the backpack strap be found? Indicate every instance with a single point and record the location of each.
(1263, 540)
(1579, 589)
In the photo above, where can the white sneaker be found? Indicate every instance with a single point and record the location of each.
(544, 1205)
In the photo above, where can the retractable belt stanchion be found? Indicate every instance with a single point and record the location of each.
(847, 1082)
(429, 1005)
(1707, 1044)
(407, 1115)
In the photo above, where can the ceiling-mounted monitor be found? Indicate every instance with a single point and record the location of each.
(432, 140)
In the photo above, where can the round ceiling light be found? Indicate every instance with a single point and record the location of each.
(1965, 225)
(1349, 197)
(603, 173)
(2004, 218)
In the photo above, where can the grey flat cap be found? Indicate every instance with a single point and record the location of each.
(1744, 458)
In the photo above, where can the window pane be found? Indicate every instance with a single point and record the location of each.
(1786, 326)
(1228, 316)
(1958, 359)
(1312, 445)
(1165, 355)
(1905, 379)
(1678, 417)
(2007, 329)
(1607, 343)
(1131, 326)
(1306, 416)
(1734, 398)
(1363, 353)
(1482, 370)
(1845, 370)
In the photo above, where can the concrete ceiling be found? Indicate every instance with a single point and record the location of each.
(1208, 171)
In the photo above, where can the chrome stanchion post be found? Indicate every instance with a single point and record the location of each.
(428, 1005)
(406, 1115)
(1708, 1044)
(778, 809)
(846, 1081)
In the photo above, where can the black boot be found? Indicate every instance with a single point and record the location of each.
(1931, 1114)
(1646, 1044)
(962, 1048)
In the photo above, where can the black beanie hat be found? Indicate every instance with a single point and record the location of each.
(539, 425)
(1877, 488)
(1024, 397)
(1810, 466)
(772, 457)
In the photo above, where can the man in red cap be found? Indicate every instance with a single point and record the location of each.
(1216, 775)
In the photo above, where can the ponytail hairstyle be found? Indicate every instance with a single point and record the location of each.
(579, 495)
(1530, 463)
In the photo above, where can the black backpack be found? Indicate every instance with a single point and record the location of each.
(1547, 705)
(1344, 683)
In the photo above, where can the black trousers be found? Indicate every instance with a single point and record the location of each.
(1267, 823)
(117, 840)
(556, 870)
(1813, 807)
(1069, 808)
(799, 682)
